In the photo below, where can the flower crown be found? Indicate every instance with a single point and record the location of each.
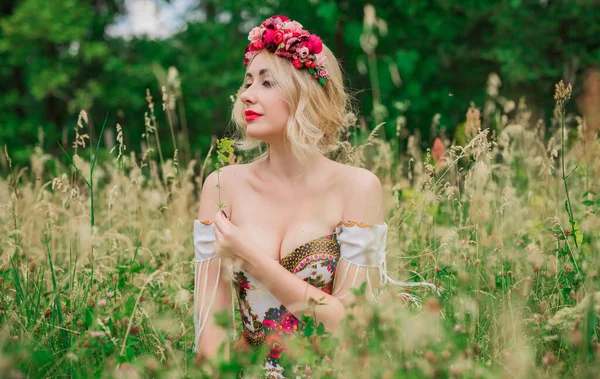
(285, 38)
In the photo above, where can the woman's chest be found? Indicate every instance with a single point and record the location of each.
(281, 221)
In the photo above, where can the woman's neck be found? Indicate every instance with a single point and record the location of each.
(281, 165)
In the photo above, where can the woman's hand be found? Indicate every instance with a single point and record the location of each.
(230, 240)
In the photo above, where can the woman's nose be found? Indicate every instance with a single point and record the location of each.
(247, 96)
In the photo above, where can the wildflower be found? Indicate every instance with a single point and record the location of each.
(568, 268)
(224, 149)
(97, 334)
(562, 94)
(473, 123)
(549, 358)
(438, 150)
(110, 294)
(135, 330)
(101, 302)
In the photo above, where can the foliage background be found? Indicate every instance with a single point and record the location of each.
(431, 57)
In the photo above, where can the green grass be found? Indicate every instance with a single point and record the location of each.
(103, 287)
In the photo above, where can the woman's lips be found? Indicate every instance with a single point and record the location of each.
(253, 117)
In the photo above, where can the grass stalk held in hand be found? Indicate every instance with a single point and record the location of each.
(224, 149)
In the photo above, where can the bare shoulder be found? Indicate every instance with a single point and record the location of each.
(217, 190)
(358, 180)
(362, 194)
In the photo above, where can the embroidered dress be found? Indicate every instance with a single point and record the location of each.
(344, 259)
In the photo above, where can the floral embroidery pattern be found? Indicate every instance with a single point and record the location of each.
(330, 265)
(280, 321)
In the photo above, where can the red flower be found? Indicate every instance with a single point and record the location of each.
(315, 45)
(278, 37)
(438, 149)
(274, 342)
(297, 63)
(257, 45)
(268, 36)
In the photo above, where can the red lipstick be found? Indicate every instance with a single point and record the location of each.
(251, 115)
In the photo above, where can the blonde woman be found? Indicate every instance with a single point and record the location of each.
(301, 226)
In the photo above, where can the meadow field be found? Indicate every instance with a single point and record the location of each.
(96, 256)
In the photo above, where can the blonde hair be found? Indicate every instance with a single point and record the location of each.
(319, 115)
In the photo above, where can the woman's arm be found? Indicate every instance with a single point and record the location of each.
(211, 274)
(363, 203)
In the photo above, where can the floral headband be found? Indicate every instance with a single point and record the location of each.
(285, 38)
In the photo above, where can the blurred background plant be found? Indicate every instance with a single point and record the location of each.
(413, 60)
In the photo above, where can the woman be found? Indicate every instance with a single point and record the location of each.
(282, 217)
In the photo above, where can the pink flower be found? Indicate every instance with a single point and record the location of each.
(297, 63)
(289, 323)
(255, 34)
(321, 60)
(273, 325)
(110, 294)
(101, 302)
(315, 45)
(293, 26)
(303, 52)
(279, 19)
(323, 73)
(289, 42)
(278, 37)
(97, 334)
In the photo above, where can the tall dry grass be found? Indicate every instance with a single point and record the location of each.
(488, 222)
(503, 216)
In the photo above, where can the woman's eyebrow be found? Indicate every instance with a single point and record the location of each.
(261, 72)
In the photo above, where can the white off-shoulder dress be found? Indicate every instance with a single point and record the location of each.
(332, 263)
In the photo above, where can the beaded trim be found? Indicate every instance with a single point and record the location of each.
(352, 223)
(257, 337)
(323, 248)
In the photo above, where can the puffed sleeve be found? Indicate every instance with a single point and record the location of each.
(207, 276)
(363, 259)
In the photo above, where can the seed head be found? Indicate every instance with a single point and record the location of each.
(562, 94)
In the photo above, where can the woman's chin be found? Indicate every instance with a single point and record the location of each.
(256, 132)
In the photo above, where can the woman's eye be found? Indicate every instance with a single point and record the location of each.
(267, 83)
(247, 85)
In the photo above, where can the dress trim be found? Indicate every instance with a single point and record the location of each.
(353, 223)
(323, 248)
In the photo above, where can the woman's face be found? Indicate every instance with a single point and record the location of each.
(265, 108)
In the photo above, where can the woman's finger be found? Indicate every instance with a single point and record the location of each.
(218, 234)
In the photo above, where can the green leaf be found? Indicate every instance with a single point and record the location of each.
(309, 329)
(320, 329)
(578, 233)
(588, 203)
(360, 291)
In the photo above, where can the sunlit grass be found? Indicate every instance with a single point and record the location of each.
(487, 222)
